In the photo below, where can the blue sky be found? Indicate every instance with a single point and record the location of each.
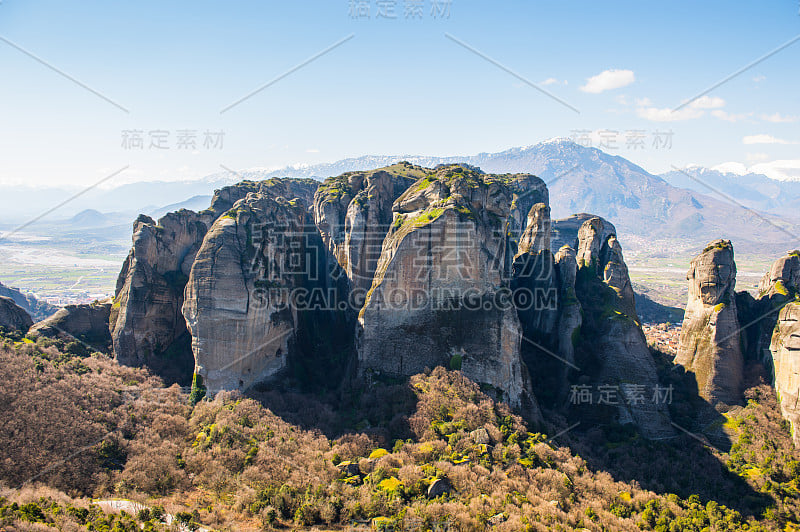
(398, 86)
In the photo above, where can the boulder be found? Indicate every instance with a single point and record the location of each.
(13, 317)
(439, 487)
(709, 343)
(351, 469)
(440, 296)
(86, 323)
(480, 436)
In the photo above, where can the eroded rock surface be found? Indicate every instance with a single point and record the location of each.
(785, 348)
(353, 213)
(435, 297)
(146, 324)
(613, 348)
(709, 343)
(236, 308)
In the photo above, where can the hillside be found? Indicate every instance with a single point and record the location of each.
(435, 452)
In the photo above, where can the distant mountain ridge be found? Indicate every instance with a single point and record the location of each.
(580, 179)
(584, 179)
(753, 190)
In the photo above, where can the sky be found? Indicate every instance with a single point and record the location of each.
(130, 91)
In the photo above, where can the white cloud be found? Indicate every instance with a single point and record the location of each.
(759, 78)
(656, 114)
(312, 150)
(765, 139)
(778, 118)
(608, 80)
(644, 102)
(782, 170)
(708, 102)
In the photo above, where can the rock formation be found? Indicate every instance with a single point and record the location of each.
(773, 333)
(13, 317)
(527, 190)
(709, 343)
(236, 311)
(436, 297)
(259, 300)
(86, 323)
(146, 324)
(353, 213)
(613, 348)
(456, 267)
(785, 349)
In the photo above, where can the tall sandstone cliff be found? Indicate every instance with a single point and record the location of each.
(146, 324)
(235, 308)
(778, 307)
(785, 349)
(613, 350)
(710, 345)
(435, 297)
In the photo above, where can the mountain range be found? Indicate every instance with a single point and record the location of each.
(695, 205)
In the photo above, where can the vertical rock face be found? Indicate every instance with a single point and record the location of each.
(569, 308)
(237, 304)
(353, 213)
(612, 340)
(85, 323)
(145, 322)
(12, 316)
(527, 191)
(785, 348)
(779, 286)
(783, 277)
(437, 294)
(773, 333)
(536, 236)
(709, 344)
